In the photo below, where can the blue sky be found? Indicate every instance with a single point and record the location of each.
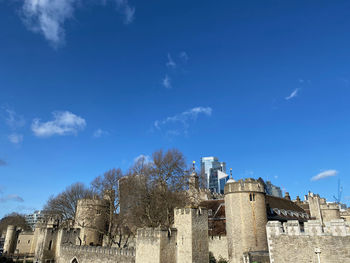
(86, 86)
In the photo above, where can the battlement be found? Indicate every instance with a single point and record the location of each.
(92, 202)
(188, 210)
(244, 185)
(336, 227)
(156, 233)
(127, 252)
(330, 206)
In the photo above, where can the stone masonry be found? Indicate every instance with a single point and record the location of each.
(290, 243)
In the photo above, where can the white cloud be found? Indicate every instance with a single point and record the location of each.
(47, 17)
(13, 120)
(167, 82)
(63, 123)
(179, 123)
(292, 95)
(99, 133)
(183, 56)
(11, 197)
(143, 158)
(170, 63)
(324, 174)
(126, 10)
(15, 138)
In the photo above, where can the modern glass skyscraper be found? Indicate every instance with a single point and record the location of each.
(210, 167)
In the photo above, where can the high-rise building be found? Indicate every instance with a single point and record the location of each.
(211, 167)
(32, 219)
(273, 189)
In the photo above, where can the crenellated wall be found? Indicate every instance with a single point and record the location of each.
(156, 245)
(290, 243)
(89, 254)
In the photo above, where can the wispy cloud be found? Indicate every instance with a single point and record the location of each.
(47, 17)
(13, 120)
(11, 197)
(15, 138)
(179, 123)
(325, 174)
(100, 133)
(183, 56)
(126, 10)
(143, 158)
(292, 95)
(167, 82)
(2, 163)
(63, 123)
(170, 63)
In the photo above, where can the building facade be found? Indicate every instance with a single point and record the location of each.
(210, 166)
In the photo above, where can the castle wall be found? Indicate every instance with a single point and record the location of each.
(46, 244)
(90, 254)
(330, 212)
(155, 245)
(218, 246)
(290, 244)
(24, 243)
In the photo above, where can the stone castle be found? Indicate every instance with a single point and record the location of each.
(244, 225)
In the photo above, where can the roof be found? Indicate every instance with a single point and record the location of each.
(283, 209)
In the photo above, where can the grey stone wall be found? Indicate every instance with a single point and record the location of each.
(89, 254)
(290, 244)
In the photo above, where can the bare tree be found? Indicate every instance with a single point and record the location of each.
(107, 186)
(13, 219)
(157, 190)
(65, 203)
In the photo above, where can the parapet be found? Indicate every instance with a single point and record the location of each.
(247, 185)
(92, 202)
(329, 206)
(154, 233)
(128, 252)
(189, 210)
(336, 227)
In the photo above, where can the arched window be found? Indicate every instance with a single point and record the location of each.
(74, 260)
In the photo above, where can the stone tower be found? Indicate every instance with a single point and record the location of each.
(10, 240)
(245, 218)
(192, 235)
(92, 218)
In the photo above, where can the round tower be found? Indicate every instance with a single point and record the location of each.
(10, 240)
(92, 218)
(246, 218)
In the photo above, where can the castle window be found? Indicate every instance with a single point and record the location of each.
(210, 212)
(28, 241)
(252, 197)
(19, 241)
(50, 244)
(98, 212)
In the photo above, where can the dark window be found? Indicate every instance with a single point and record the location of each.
(50, 244)
(252, 197)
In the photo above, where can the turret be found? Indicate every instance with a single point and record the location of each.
(10, 240)
(91, 217)
(192, 235)
(246, 218)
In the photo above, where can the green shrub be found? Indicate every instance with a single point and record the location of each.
(211, 258)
